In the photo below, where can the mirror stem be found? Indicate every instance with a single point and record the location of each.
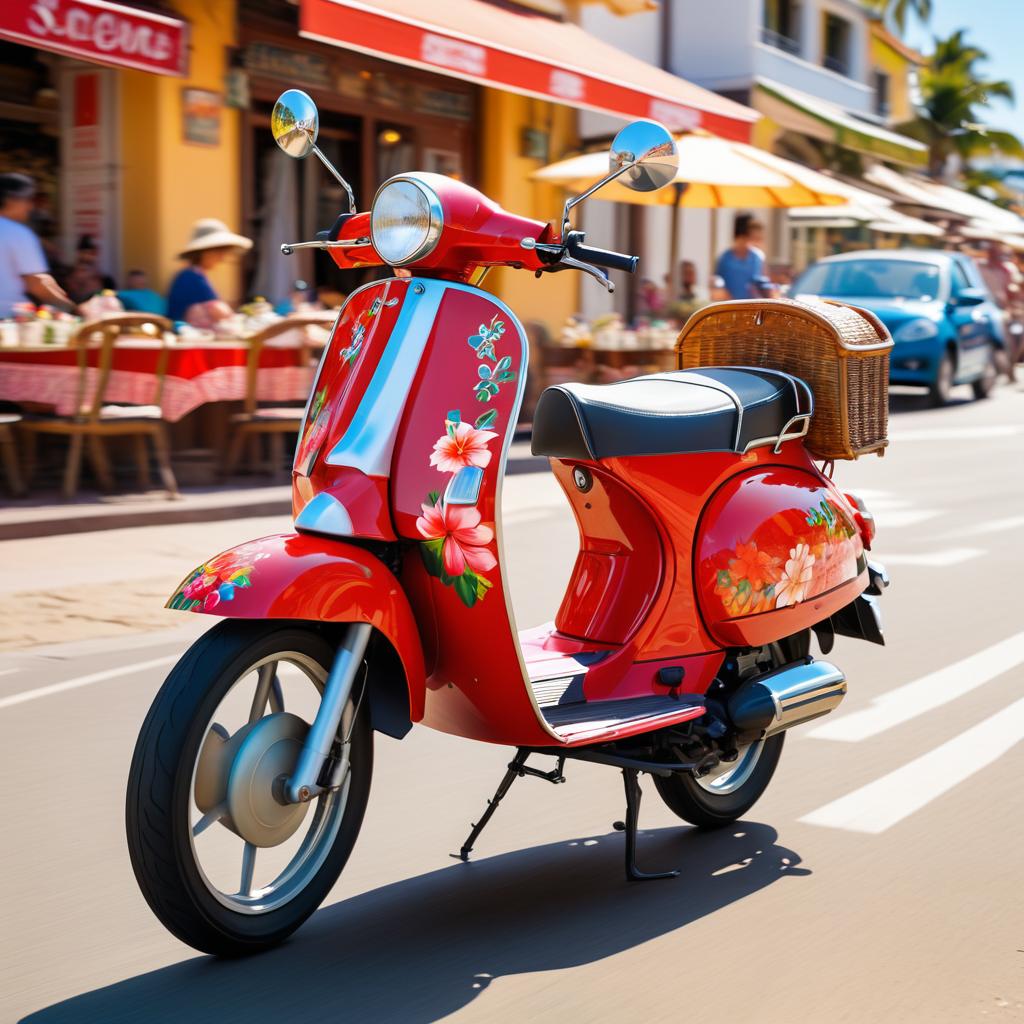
(341, 181)
(576, 200)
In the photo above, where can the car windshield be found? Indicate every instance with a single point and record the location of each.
(866, 279)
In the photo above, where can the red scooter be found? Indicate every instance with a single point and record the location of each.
(710, 547)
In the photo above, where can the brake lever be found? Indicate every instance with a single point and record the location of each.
(571, 263)
(288, 248)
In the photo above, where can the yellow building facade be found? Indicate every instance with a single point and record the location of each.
(167, 182)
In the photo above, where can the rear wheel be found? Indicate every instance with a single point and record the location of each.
(223, 861)
(728, 791)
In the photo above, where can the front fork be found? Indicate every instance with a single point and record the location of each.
(304, 783)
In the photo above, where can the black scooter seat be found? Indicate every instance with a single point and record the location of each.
(714, 409)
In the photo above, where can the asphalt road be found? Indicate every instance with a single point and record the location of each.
(879, 879)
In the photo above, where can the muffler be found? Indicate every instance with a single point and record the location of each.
(788, 696)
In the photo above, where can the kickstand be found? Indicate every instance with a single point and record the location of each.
(629, 826)
(517, 769)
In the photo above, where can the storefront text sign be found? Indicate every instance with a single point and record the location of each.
(100, 31)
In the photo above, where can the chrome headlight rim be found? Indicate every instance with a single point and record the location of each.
(435, 221)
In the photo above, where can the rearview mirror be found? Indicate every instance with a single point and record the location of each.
(295, 123)
(648, 152)
(969, 297)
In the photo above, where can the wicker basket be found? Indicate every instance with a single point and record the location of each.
(841, 351)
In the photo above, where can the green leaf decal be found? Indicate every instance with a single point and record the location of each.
(465, 587)
(486, 420)
(430, 552)
(432, 497)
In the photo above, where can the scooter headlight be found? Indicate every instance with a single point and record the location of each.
(405, 221)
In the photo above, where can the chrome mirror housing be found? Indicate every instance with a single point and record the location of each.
(295, 123)
(644, 154)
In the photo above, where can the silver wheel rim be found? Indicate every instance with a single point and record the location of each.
(730, 775)
(321, 827)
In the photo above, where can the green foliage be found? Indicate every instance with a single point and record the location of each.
(955, 94)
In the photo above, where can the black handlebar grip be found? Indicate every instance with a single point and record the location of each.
(599, 257)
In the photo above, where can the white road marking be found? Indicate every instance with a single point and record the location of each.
(924, 694)
(894, 518)
(954, 433)
(935, 559)
(993, 525)
(883, 803)
(74, 684)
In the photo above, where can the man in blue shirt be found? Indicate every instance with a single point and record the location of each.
(741, 265)
(192, 298)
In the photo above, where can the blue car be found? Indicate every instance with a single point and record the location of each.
(942, 318)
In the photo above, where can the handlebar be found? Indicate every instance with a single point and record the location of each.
(599, 257)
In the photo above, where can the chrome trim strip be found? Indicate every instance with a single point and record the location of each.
(369, 442)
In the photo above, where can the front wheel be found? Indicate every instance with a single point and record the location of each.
(728, 791)
(223, 861)
(942, 387)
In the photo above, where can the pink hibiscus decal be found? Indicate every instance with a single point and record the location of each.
(463, 445)
(458, 526)
(796, 577)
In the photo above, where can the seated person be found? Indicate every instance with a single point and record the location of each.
(192, 297)
(138, 297)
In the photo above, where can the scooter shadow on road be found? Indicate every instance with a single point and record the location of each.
(418, 950)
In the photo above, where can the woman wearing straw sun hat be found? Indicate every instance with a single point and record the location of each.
(192, 298)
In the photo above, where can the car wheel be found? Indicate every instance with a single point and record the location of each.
(985, 384)
(942, 386)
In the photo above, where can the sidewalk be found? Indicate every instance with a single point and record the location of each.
(48, 515)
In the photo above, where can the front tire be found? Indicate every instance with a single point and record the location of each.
(942, 387)
(170, 784)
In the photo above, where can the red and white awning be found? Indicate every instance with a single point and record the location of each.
(97, 30)
(524, 52)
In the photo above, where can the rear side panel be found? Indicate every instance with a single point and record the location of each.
(777, 551)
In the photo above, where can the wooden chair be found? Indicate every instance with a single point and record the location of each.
(9, 455)
(95, 419)
(273, 423)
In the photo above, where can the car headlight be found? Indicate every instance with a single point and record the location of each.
(405, 221)
(920, 329)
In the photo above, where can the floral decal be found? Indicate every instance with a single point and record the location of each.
(456, 546)
(487, 334)
(461, 445)
(217, 580)
(336, 363)
(824, 556)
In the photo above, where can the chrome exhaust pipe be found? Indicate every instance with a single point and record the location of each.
(786, 697)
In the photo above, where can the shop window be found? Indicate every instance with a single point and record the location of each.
(396, 150)
(837, 44)
(882, 102)
(780, 25)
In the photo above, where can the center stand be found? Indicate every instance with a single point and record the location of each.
(631, 769)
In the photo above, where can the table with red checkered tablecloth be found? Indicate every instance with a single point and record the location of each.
(197, 373)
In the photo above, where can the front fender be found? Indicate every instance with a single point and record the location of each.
(305, 577)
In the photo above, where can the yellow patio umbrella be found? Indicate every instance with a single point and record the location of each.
(713, 174)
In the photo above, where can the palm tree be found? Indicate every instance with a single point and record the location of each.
(895, 11)
(953, 92)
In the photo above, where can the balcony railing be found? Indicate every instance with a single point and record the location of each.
(837, 64)
(781, 42)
